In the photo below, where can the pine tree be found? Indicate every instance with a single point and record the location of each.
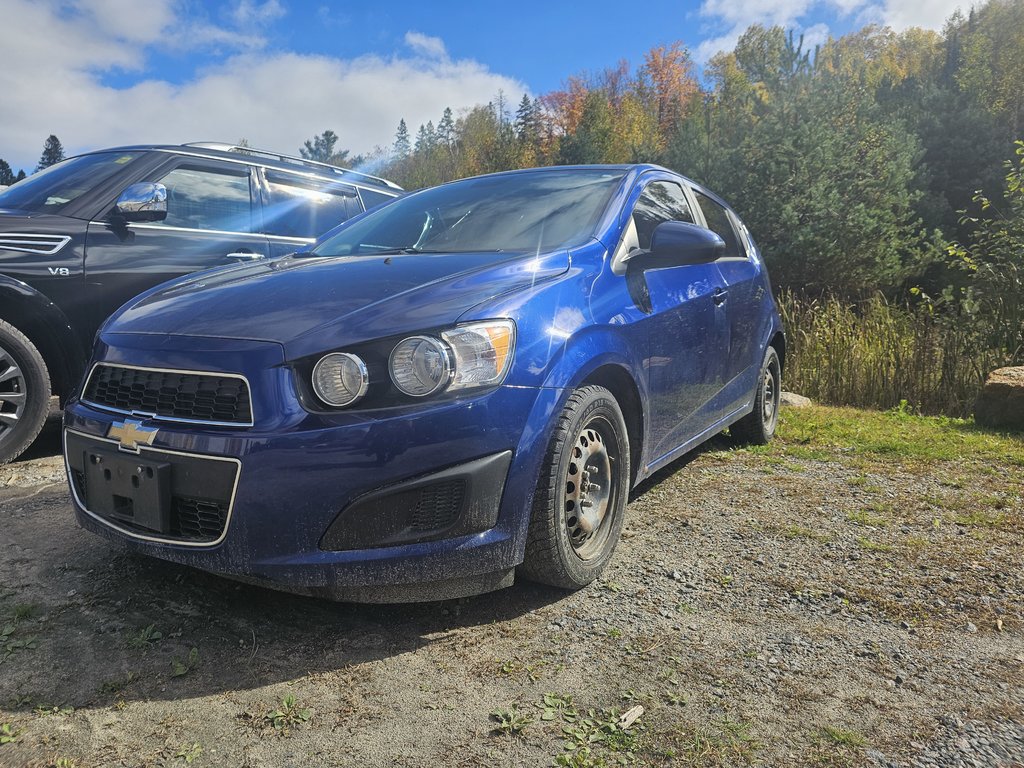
(6, 174)
(446, 128)
(320, 149)
(20, 176)
(402, 147)
(53, 153)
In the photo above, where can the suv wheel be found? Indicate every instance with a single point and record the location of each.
(24, 392)
(581, 497)
(758, 426)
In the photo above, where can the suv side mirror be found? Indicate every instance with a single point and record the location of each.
(144, 201)
(677, 243)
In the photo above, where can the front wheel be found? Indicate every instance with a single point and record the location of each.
(24, 392)
(581, 497)
(758, 426)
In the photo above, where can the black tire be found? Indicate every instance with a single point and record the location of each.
(758, 426)
(576, 521)
(24, 392)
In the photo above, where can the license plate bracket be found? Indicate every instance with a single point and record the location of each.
(129, 489)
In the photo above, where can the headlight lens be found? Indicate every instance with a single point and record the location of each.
(482, 352)
(340, 379)
(420, 365)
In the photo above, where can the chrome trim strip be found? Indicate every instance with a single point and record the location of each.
(259, 235)
(175, 419)
(143, 537)
(28, 242)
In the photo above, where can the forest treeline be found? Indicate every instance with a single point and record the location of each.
(880, 162)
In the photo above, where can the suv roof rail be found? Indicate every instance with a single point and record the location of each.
(336, 169)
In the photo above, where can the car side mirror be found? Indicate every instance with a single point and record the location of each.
(144, 201)
(677, 243)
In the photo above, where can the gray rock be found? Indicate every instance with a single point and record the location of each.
(794, 400)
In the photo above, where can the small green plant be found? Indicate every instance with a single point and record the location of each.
(189, 753)
(23, 612)
(10, 645)
(116, 685)
(181, 667)
(288, 715)
(873, 546)
(598, 728)
(511, 721)
(145, 637)
(842, 737)
(7, 734)
(557, 705)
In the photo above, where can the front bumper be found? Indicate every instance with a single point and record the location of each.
(309, 507)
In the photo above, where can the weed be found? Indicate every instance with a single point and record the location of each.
(843, 737)
(145, 637)
(867, 518)
(726, 743)
(597, 729)
(189, 753)
(511, 721)
(288, 715)
(181, 667)
(10, 645)
(23, 612)
(7, 734)
(116, 685)
(558, 705)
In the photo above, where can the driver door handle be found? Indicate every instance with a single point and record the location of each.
(243, 256)
(719, 296)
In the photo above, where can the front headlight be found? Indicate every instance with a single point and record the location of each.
(469, 356)
(340, 379)
(482, 352)
(420, 365)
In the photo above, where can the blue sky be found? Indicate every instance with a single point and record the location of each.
(105, 72)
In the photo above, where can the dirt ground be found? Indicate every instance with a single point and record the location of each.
(829, 601)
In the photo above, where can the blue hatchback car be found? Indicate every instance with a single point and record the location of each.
(457, 385)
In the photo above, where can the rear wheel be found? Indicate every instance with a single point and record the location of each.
(758, 427)
(24, 392)
(581, 497)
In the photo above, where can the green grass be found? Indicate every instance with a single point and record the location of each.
(826, 433)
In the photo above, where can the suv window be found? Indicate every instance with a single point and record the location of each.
(661, 201)
(718, 222)
(206, 198)
(302, 208)
(372, 199)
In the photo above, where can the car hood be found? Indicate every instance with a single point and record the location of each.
(309, 304)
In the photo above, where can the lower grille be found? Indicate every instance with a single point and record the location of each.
(438, 505)
(196, 519)
(199, 491)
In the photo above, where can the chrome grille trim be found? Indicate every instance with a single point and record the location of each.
(29, 242)
(172, 419)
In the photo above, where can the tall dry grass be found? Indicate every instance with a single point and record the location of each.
(876, 354)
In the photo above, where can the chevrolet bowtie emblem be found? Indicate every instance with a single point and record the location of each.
(131, 434)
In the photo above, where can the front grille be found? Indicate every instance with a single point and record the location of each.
(171, 394)
(438, 505)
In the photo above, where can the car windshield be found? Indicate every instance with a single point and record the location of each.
(526, 212)
(51, 189)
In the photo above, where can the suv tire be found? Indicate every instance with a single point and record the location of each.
(24, 392)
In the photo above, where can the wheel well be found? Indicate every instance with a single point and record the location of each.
(779, 342)
(617, 380)
(27, 319)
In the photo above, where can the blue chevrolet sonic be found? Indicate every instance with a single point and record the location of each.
(458, 385)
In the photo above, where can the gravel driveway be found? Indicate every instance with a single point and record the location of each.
(852, 595)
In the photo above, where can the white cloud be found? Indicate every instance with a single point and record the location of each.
(425, 45)
(275, 99)
(734, 16)
(249, 13)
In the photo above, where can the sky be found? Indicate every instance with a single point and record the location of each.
(101, 73)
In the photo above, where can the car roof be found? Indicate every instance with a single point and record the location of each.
(275, 160)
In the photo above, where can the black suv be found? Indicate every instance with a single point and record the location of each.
(82, 237)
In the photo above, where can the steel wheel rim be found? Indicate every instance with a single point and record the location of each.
(590, 489)
(13, 393)
(770, 396)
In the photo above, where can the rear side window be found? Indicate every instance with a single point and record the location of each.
(718, 222)
(661, 201)
(302, 208)
(205, 198)
(372, 199)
